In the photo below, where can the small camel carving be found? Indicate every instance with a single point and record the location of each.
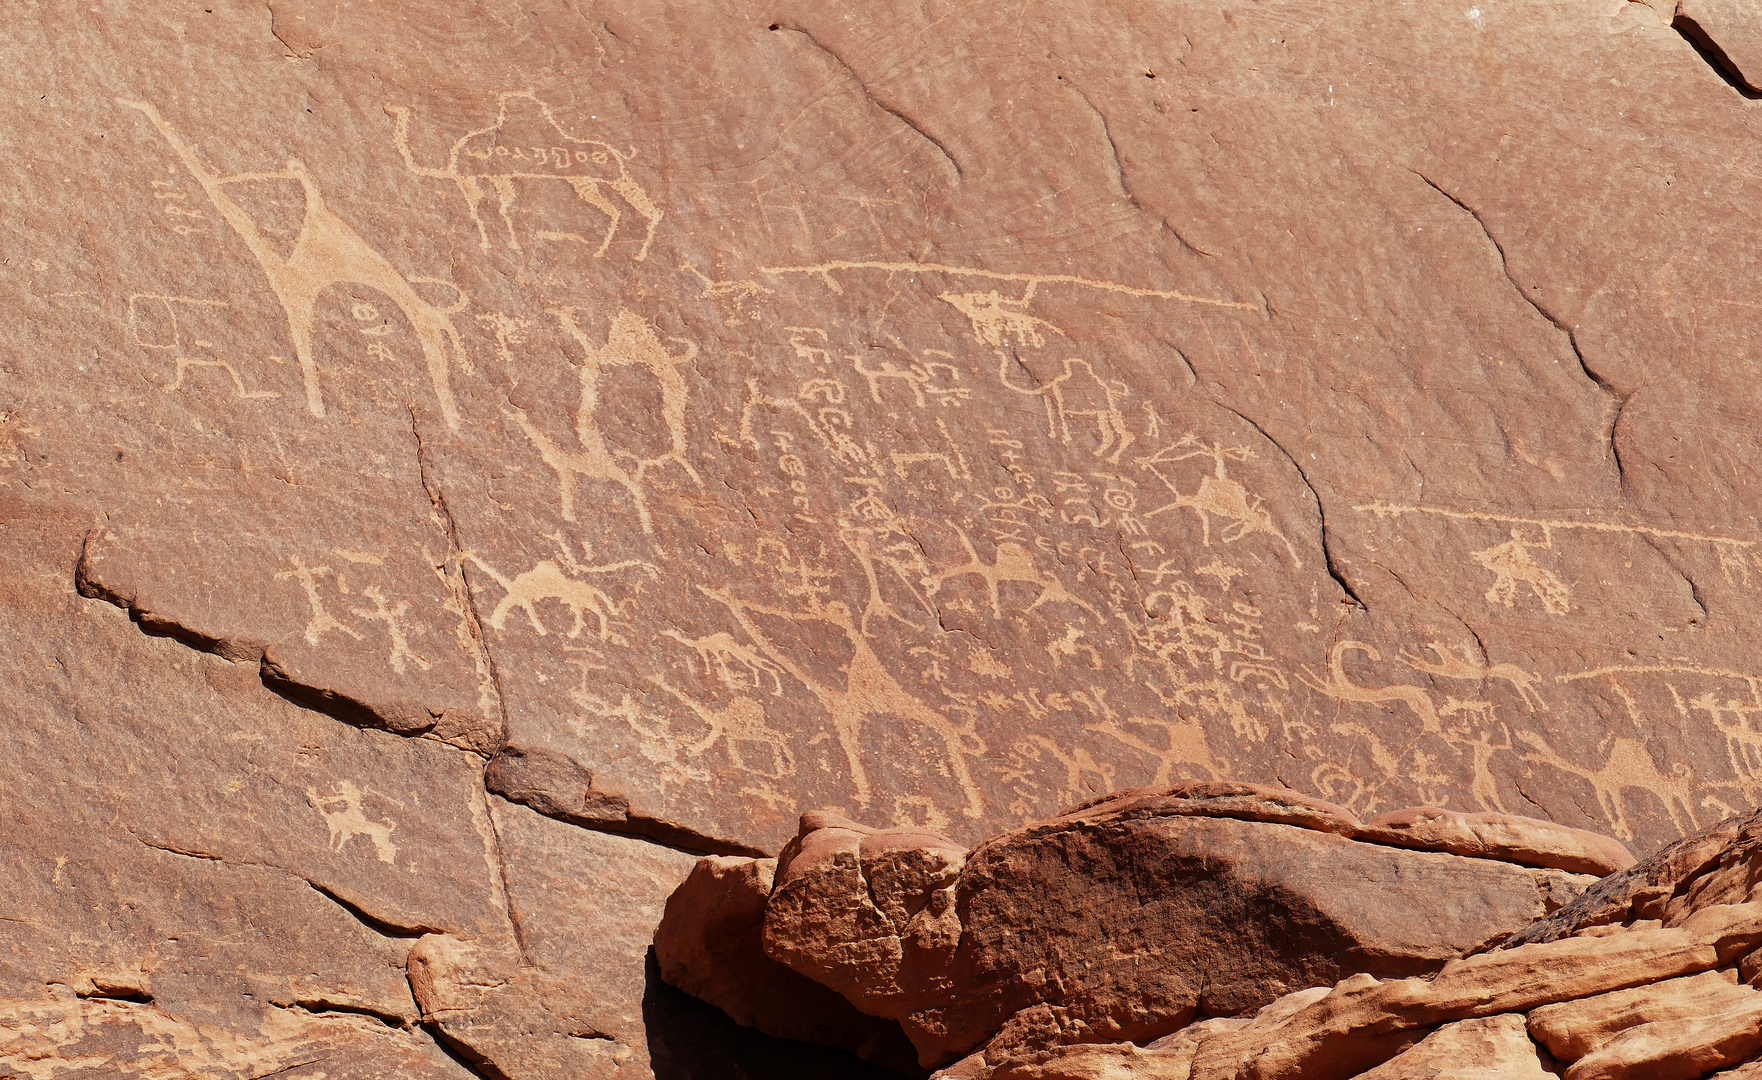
(720, 652)
(549, 581)
(630, 342)
(1079, 394)
(591, 168)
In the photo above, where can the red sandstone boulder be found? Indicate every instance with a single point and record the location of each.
(1123, 919)
(708, 944)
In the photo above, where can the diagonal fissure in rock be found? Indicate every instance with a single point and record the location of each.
(1328, 560)
(401, 718)
(1617, 399)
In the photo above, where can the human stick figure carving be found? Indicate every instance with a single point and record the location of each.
(591, 168)
(322, 620)
(327, 251)
(869, 690)
(630, 342)
(1219, 495)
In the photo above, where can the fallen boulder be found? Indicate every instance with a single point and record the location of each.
(1124, 919)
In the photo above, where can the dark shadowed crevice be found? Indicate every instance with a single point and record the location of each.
(130, 995)
(463, 1055)
(169, 850)
(337, 706)
(1715, 56)
(456, 549)
(1617, 399)
(557, 786)
(373, 922)
(321, 1006)
(690, 1039)
(1328, 560)
(406, 719)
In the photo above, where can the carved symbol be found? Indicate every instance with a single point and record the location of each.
(1629, 765)
(1450, 666)
(1733, 551)
(321, 620)
(999, 320)
(1011, 562)
(1337, 684)
(1078, 763)
(630, 341)
(825, 271)
(548, 581)
(393, 618)
(345, 819)
(743, 721)
(1511, 563)
(1219, 494)
(919, 378)
(327, 252)
(184, 363)
(719, 652)
(869, 690)
(590, 167)
(1080, 394)
(170, 336)
(1734, 717)
(1183, 745)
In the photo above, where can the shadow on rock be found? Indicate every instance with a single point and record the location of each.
(690, 1040)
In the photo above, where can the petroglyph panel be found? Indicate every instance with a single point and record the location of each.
(831, 443)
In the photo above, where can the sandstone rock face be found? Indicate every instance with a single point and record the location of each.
(1121, 920)
(670, 419)
(808, 410)
(208, 880)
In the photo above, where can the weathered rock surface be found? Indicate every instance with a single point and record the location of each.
(1121, 920)
(675, 418)
(851, 416)
(205, 879)
(1494, 1048)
